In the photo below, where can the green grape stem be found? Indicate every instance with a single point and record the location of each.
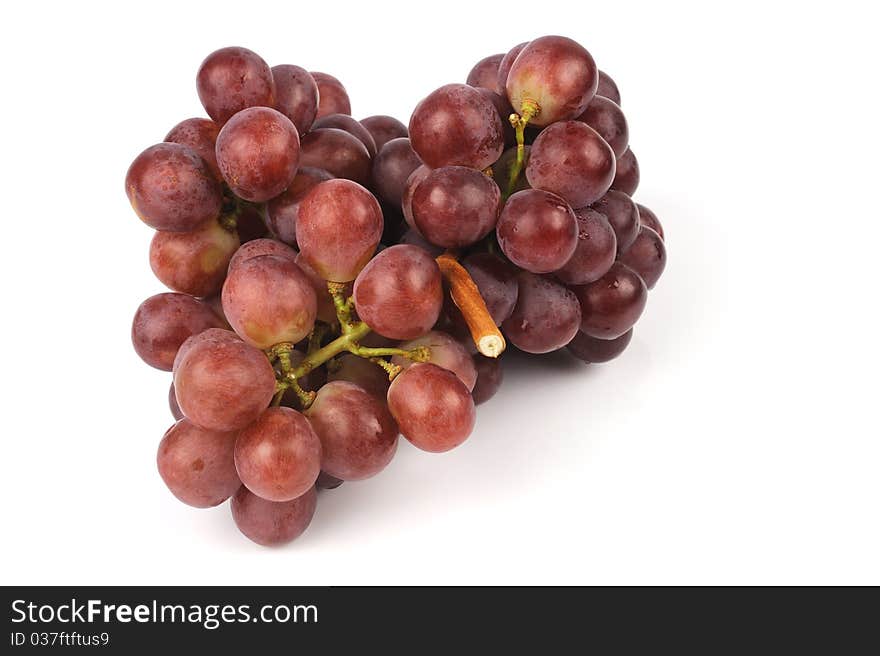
(344, 306)
(349, 340)
(316, 337)
(528, 111)
(391, 369)
(280, 389)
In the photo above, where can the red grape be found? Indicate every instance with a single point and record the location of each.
(392, 168)
(282, 211)
(505, 64)
(446, 352)
(193, 262)
(556, 73)
(646, 256)
(649, 219)
(357, 432)
(496, 281)
(606, 118)
(278, 457)
(270, 523)
(258, 153)
(596, 249)
(484, 74)
(172, 404)
(626, 179)
(233, 79)
(489, 378)
(611, 305)
(433, 408)
(197, 464)
(339, 226)
(537, 231)
(346, 123)
(595, 351)
(296, 95)
(259, 247)
(455, 206)
(399, 294)
(200, 134)
(339, 153)
(171, 188)
(332, 96)
(546, 316)
(622, 214)
(384, 129)
(165, 321)
(222, 383)
(456, 125)
(361, 372)
(269, 300)
(573, 161)
(608, 88)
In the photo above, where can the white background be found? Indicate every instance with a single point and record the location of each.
(736, 441)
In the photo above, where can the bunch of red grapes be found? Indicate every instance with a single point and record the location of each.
(337, 283)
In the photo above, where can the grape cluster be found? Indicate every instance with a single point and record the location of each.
(338, 283)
